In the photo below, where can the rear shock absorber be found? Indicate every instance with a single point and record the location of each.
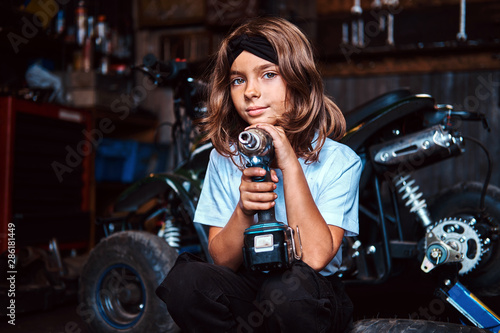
(409, 193)
(171, 234)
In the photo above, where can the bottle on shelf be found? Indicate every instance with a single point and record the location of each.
(81, 23)
(60, 25)
(88, 46)
(102, 44)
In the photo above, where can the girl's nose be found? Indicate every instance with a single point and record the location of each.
(252, 90)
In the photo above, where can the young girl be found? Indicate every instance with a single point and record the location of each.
(265, 77)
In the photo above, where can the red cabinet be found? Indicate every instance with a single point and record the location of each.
(45, 174)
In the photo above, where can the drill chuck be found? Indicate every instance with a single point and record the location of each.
(249, 140)
(255, 142)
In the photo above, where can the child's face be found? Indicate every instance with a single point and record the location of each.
(257, 89)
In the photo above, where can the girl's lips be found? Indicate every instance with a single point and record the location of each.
(255, 111)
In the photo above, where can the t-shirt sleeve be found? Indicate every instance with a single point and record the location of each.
(217, 200)
(339, 195)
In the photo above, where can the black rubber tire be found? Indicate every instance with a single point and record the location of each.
(411, 326)
(118, 282)
(462, 200)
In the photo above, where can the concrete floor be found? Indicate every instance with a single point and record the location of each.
(60, 319)
(384, 301)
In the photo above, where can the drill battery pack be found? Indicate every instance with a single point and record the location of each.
(268, 246)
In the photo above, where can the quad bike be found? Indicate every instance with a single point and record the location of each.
(395, 135)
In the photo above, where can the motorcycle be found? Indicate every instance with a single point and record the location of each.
(396, 135)
(453, 237)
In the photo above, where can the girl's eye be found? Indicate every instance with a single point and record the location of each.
(237, 81)
(270, 75)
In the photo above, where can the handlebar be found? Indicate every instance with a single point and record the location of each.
(472, 116)
(448, 113)
(162, 72)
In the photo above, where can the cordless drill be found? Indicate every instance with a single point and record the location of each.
(268, 244)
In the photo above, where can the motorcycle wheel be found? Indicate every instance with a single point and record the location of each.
(118, 282)
(411, 326)
(462, 200)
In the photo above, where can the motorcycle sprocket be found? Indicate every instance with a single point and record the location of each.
(462, 200)
(461, 236)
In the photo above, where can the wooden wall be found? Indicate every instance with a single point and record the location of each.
(473, 90)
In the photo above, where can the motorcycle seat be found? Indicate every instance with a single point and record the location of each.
(360, 113)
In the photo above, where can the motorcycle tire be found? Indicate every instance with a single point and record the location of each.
(118, 282)
(410, 326)
(462, 200)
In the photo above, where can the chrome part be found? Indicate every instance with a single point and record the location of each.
(358, 30)
(413, 198)
(54, 249)
(390, 29)
(256, 148)
(171, 234)
(294, 248)
(438, 253)
(444, 107)
(418, 146)
(453, 240)
(461, 35)
(249, 140)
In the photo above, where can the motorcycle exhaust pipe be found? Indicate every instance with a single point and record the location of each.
(418, 149)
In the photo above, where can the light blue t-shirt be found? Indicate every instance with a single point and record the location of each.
(333, 181)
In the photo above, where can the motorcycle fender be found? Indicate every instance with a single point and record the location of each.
(143, 190)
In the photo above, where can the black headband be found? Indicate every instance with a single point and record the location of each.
(256, 45)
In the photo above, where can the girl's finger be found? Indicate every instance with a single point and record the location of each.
(274, 176)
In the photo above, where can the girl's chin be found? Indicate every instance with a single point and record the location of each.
(255, 121)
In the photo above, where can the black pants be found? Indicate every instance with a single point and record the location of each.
(203, 297)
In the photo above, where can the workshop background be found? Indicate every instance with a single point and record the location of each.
(78, 125)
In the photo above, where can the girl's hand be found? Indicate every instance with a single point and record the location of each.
(283, 151)
(255, 196)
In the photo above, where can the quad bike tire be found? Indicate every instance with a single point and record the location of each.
(410, 326)
(462, 200)
(118, 282)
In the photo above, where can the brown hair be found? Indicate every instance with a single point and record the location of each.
(309, 110)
